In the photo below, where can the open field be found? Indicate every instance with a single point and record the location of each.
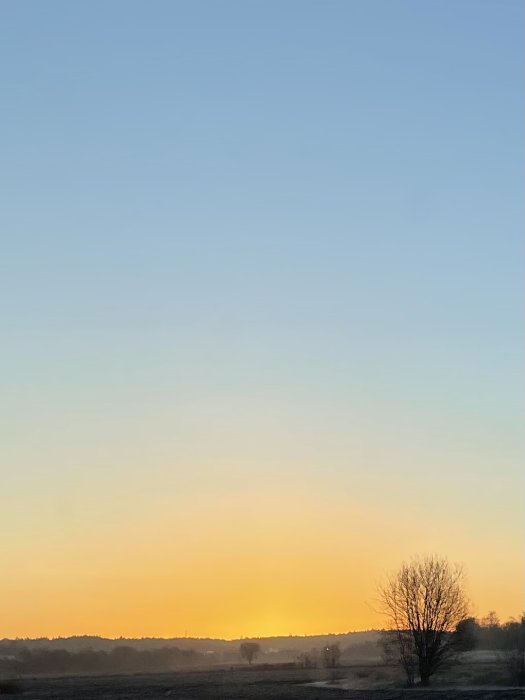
(368, 683)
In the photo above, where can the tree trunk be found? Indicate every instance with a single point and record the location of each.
(424, 672)
(425, 679)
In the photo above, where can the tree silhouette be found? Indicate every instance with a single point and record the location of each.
(249, 651)
(424, 602)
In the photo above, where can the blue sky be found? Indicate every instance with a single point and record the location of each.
(284, 235)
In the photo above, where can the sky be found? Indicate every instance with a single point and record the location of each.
(261, 310)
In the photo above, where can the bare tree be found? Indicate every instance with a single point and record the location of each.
(424, 603)
(249, 651)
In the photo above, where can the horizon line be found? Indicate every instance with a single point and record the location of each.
(195, 638)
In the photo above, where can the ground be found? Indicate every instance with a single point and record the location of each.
(244, 684)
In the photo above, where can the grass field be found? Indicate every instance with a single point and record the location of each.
(368, 683)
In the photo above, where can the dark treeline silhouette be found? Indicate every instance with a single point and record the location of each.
(506, 640)
(490, 634)
(18, 660)
(198, 644)
(97, 655)
(121, 659)
(89, 642)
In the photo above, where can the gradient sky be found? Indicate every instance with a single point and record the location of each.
(261, 272)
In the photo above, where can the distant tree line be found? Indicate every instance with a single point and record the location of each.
(123, 659)
(490, 634)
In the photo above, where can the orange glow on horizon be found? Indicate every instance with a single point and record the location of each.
(252, 574)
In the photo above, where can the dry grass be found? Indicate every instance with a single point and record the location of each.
(370, 683)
